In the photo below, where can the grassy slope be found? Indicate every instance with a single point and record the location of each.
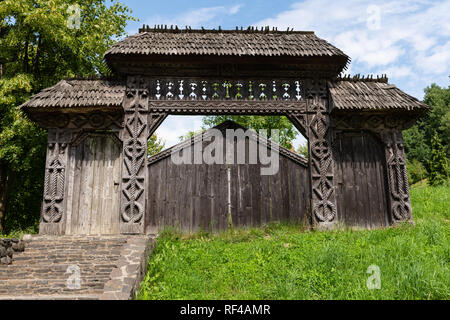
(279, 262)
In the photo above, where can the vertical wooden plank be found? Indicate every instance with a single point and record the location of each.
(97, 143)
(349, 183)
(79, 151)
(70, 189)
(266, 201)
(284, 189)
(117, 174)
(360, 215)
(255, 178)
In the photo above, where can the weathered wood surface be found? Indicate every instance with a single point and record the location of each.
(193, 197)
(94, 190)
(361, 184)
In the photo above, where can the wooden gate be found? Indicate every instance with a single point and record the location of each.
(94, 185)
(360, 173)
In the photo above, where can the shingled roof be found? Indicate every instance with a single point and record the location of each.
(346, 94)
(79, 94)
(248, 42)
(371, 94)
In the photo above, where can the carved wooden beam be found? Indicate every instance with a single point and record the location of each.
(134, 171)
(53, 206)
(400, 202)
(232, 107)
(321, 163)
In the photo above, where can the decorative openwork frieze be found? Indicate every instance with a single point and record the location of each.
(55, 176)
(210, 89)
(400, 202)
(134, 171)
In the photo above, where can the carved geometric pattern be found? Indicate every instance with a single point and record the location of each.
(53, 202)
(53, 192)
(375, 123)
(92, 120)
(134, 156)
(231, 107)
(321, 166)
(397, 176)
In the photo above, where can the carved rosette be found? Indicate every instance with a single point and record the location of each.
(55, 175)
(400, 203)
(134, 173)
(323, 200)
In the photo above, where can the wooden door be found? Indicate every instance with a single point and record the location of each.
(94, 186)
(360, 173)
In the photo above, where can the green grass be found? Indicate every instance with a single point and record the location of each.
(19, 233)
(282, 262)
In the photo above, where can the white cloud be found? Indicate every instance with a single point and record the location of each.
(397, 71)
(195, 18)
(402, 38)
(175, 126)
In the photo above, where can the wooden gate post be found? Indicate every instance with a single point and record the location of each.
(321, 161)
(399, 199)
(54, 205)
(134, 168)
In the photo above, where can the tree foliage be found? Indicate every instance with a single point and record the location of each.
(287, 131)
(37, 49)
(155, 145)
(419, 139)
(303, 150)
(438, 162)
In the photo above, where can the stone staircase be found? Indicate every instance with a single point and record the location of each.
(109, 267)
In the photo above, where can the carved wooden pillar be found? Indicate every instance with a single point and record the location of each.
(400, 203)
(321, 162)
(53, 207)
(134, 170)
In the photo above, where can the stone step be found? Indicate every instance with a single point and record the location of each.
(54, 274)
(107, 267)
(51, 297)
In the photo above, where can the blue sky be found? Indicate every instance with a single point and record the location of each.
(407, 40)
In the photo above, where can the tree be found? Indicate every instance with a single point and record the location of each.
(418, 139)
(303, 150)
(155, 145)
(37, 49)
(286, 129)
(190, 135)
(438, 162)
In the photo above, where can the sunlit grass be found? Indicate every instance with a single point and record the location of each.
(287, 262)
